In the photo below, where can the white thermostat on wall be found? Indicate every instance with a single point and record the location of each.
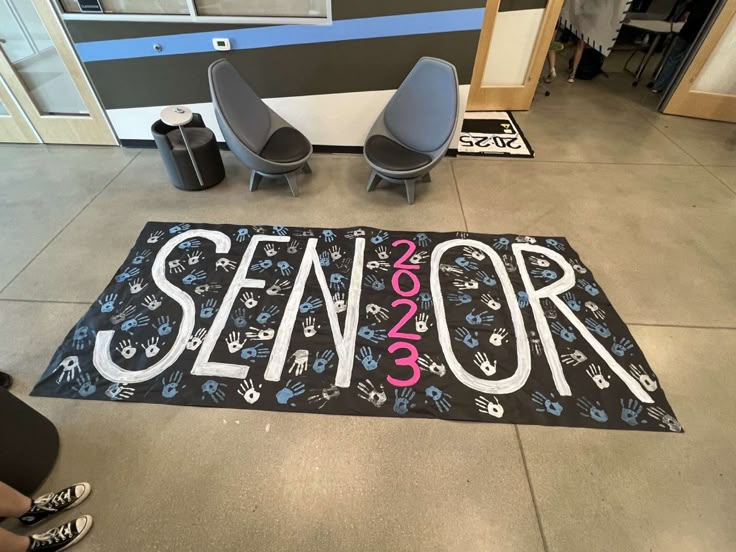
(222, 44)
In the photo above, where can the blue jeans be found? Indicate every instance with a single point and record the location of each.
(677, 54)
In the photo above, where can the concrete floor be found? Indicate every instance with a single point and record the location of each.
(648, 200)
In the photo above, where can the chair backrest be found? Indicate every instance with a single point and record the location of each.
(423, 113)
(238, 106)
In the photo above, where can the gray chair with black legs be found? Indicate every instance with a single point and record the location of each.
(414, 131)
(256, 135)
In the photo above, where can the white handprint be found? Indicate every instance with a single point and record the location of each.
(299, 364)
(419, 258)
(260, 334)
(465, 285)
(151, 302)
(69, 368)
(176, 267)
(490, 301)
(249, 301)
(382, 253)
(486, 406)
(309, 326)
(378, 312)
(270, 250)
(155, 237)
(340, 304)
(152, 348)
(538, 261)
(648, 382)
(127, 349)
(194, 257)
(136, 286)
(368, 391)
(226, 264)
(498, 337)
(485, 365)
(574, 358)
(195, 340)
(428, 364)
(422, 323)
(595, 373)
(248, 391)
(474, 253)
(234, 342)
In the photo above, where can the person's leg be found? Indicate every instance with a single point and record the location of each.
(579, 47)
(12, 503)
(10, 542)
(677, 54)
(552, 61)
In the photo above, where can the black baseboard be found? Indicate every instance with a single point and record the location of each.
(150, 144)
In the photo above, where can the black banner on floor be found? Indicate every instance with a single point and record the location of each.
(493, 133)
(361, 321)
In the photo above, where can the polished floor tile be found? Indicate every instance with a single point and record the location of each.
(709, 142)
(727, 175)
(193, 479)
(43, 188)
(659, 239)
(614, 491)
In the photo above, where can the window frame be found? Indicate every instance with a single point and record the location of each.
(194, 17)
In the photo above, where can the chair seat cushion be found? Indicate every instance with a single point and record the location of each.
(196, 136)
(392, 156)
(286, 145)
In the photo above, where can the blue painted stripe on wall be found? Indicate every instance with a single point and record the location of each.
(286, 35)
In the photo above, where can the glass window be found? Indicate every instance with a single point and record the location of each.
(263, 8)
(163, 7)
(3, 111)
(35, 60)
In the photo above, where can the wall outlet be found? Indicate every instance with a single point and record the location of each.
(222, 44)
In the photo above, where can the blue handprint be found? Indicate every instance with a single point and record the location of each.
(593, 411)
(321, 361)
(548, 405)
(208, 308)
(240, 318)
(467, 337)
(486, 278)
(630, 411)
(439, 397)
(257, 351)
(171, 387)
(262, 265)
(422, 239)
(424, 300)
(328, 235)
(137, 321)
(266, 314)
(337, 281)
(544, 273)
(190, 244)
(402, 400)
(194, 276)
(501, 244)
(565, 333)
(291, 390)
(179, 228)
(572, 301)
(310, 305)
(374, 283)
(366, 358)
(325, 259)
(589, 287)
(620, 346)
(459, 298)
(164, 325)
(127, 274)
(107, 303)
(285, 268)
(280, 230)
(213, 390)
(372, 334)
(523, 299)
(241, 235)
(554, 244)
(379, 238)
(141, 256)
(85, 386)
(467, 264)
(598, 327)
(479, 319)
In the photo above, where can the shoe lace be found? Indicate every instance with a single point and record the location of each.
(56, 535)
(52, 502)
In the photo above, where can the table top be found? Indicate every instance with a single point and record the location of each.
(176, 115)
(655, 25)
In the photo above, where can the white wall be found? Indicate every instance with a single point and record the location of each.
(512, 45)
(719, 72)
(326, 119)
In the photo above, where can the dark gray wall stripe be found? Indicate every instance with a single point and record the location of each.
(352, 66)
(518, 5)
(91, 31)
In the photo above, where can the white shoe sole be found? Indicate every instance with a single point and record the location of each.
(88, 522)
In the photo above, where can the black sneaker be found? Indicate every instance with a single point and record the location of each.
(6, 380)
(61, 537)
(53, 503)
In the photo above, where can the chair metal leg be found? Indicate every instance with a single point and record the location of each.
(426, 178)
(255, 180)
(307, 169)
(291, 179)
(410, 189)
(373, 182)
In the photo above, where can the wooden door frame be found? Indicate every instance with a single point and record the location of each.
(514, 98)
(15, 127)
(705, 105)
(93, 128)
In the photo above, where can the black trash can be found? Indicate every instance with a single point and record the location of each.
(176, 158)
